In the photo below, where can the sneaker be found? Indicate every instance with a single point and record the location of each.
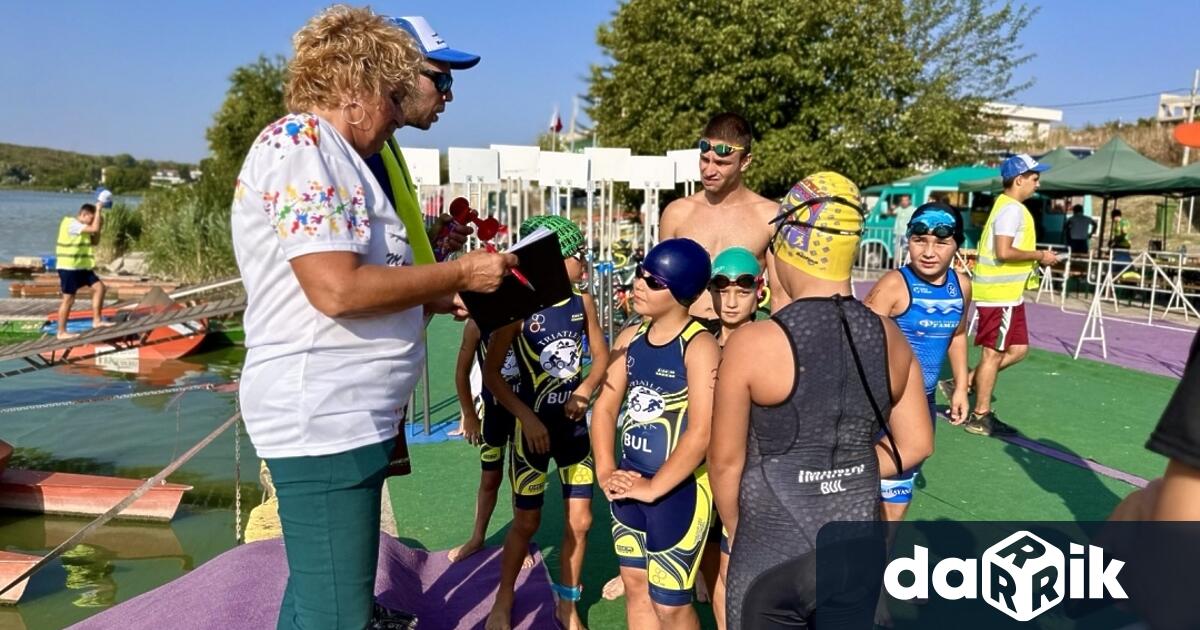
(1002, 429)
(987, 424)
(383, 618)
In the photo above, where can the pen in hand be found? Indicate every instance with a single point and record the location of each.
(515, 272)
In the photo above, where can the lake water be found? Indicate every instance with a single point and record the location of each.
(29, 221)
(131, 438)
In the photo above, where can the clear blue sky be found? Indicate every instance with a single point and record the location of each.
(144, 77)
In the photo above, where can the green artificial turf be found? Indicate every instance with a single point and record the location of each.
(1087, 408)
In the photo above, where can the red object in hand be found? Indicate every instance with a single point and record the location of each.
(461, 212)
(485, 229)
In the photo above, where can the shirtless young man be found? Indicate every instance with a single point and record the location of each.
(726, 213)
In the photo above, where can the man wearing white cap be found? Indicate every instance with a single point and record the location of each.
(1008, 255)
(76, 261)
(421, 110)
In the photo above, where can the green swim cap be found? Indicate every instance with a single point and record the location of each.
(734, 262)
(570, 237)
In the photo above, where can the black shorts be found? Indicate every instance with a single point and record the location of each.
(665, 538)
(71, 280)
(571, 448)
(496, 424)
(1178, 432)
(1078, 246)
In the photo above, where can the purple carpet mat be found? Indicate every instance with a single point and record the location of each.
(242, 588)
(1130, 345)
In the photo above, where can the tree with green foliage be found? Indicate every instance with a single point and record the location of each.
(125, 179)
(254, 100)
(866, 87)
(185, 230)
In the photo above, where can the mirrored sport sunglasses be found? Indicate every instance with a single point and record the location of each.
(721, 149)
(939, 231)
(653, 282)
(744, 281)
(442, 81)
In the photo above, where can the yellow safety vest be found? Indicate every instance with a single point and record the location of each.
(996, 281)
(73, 252)
(408, 203)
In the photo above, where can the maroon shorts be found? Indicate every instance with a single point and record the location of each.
(1001, 326)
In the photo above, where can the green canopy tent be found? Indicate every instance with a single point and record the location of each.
(1114, 170)
(1056, 158)
(1184, 180)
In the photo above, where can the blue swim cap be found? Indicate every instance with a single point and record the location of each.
(935, 214)
(682, 265)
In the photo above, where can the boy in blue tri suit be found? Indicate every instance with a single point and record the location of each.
(550, 409)
(927, 300)
(491, 433)
(661, 383)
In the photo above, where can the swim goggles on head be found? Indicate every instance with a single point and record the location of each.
(721, 149)
(744, 281)
(653, 282)
(939, 231)
(783, 220)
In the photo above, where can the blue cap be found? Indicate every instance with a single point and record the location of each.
(938, 213)
(1019, 165)
(682, 265)
(432, 44)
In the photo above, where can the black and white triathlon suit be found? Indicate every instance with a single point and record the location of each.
(810, 460)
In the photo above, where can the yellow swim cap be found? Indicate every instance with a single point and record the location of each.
(819, 225)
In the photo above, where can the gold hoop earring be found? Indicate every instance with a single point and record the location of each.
(347, 118)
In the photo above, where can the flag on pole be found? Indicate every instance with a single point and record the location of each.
(555, 121)
(574, 113)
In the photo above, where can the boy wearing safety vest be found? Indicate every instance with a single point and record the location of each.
(1008, 255)
(76, 262)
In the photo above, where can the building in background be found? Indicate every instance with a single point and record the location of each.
(1174, 108)
(1023, 124)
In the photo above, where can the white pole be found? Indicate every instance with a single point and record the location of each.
(613, 220)
(590, 213)
(1187, 151)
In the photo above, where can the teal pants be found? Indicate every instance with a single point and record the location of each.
(329, 509)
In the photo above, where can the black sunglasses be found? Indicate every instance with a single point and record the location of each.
(654, 283)
(744, 281)
(721, 149)
(782, 220)
(939, 231)
(442, 81)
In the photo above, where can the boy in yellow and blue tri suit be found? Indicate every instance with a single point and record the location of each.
(550, 409)
(661, 382)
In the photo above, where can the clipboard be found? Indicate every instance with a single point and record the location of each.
(540, 259)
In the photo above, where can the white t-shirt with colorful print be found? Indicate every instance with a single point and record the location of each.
(314, 385)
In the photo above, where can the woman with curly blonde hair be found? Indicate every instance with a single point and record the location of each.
(334, 313)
